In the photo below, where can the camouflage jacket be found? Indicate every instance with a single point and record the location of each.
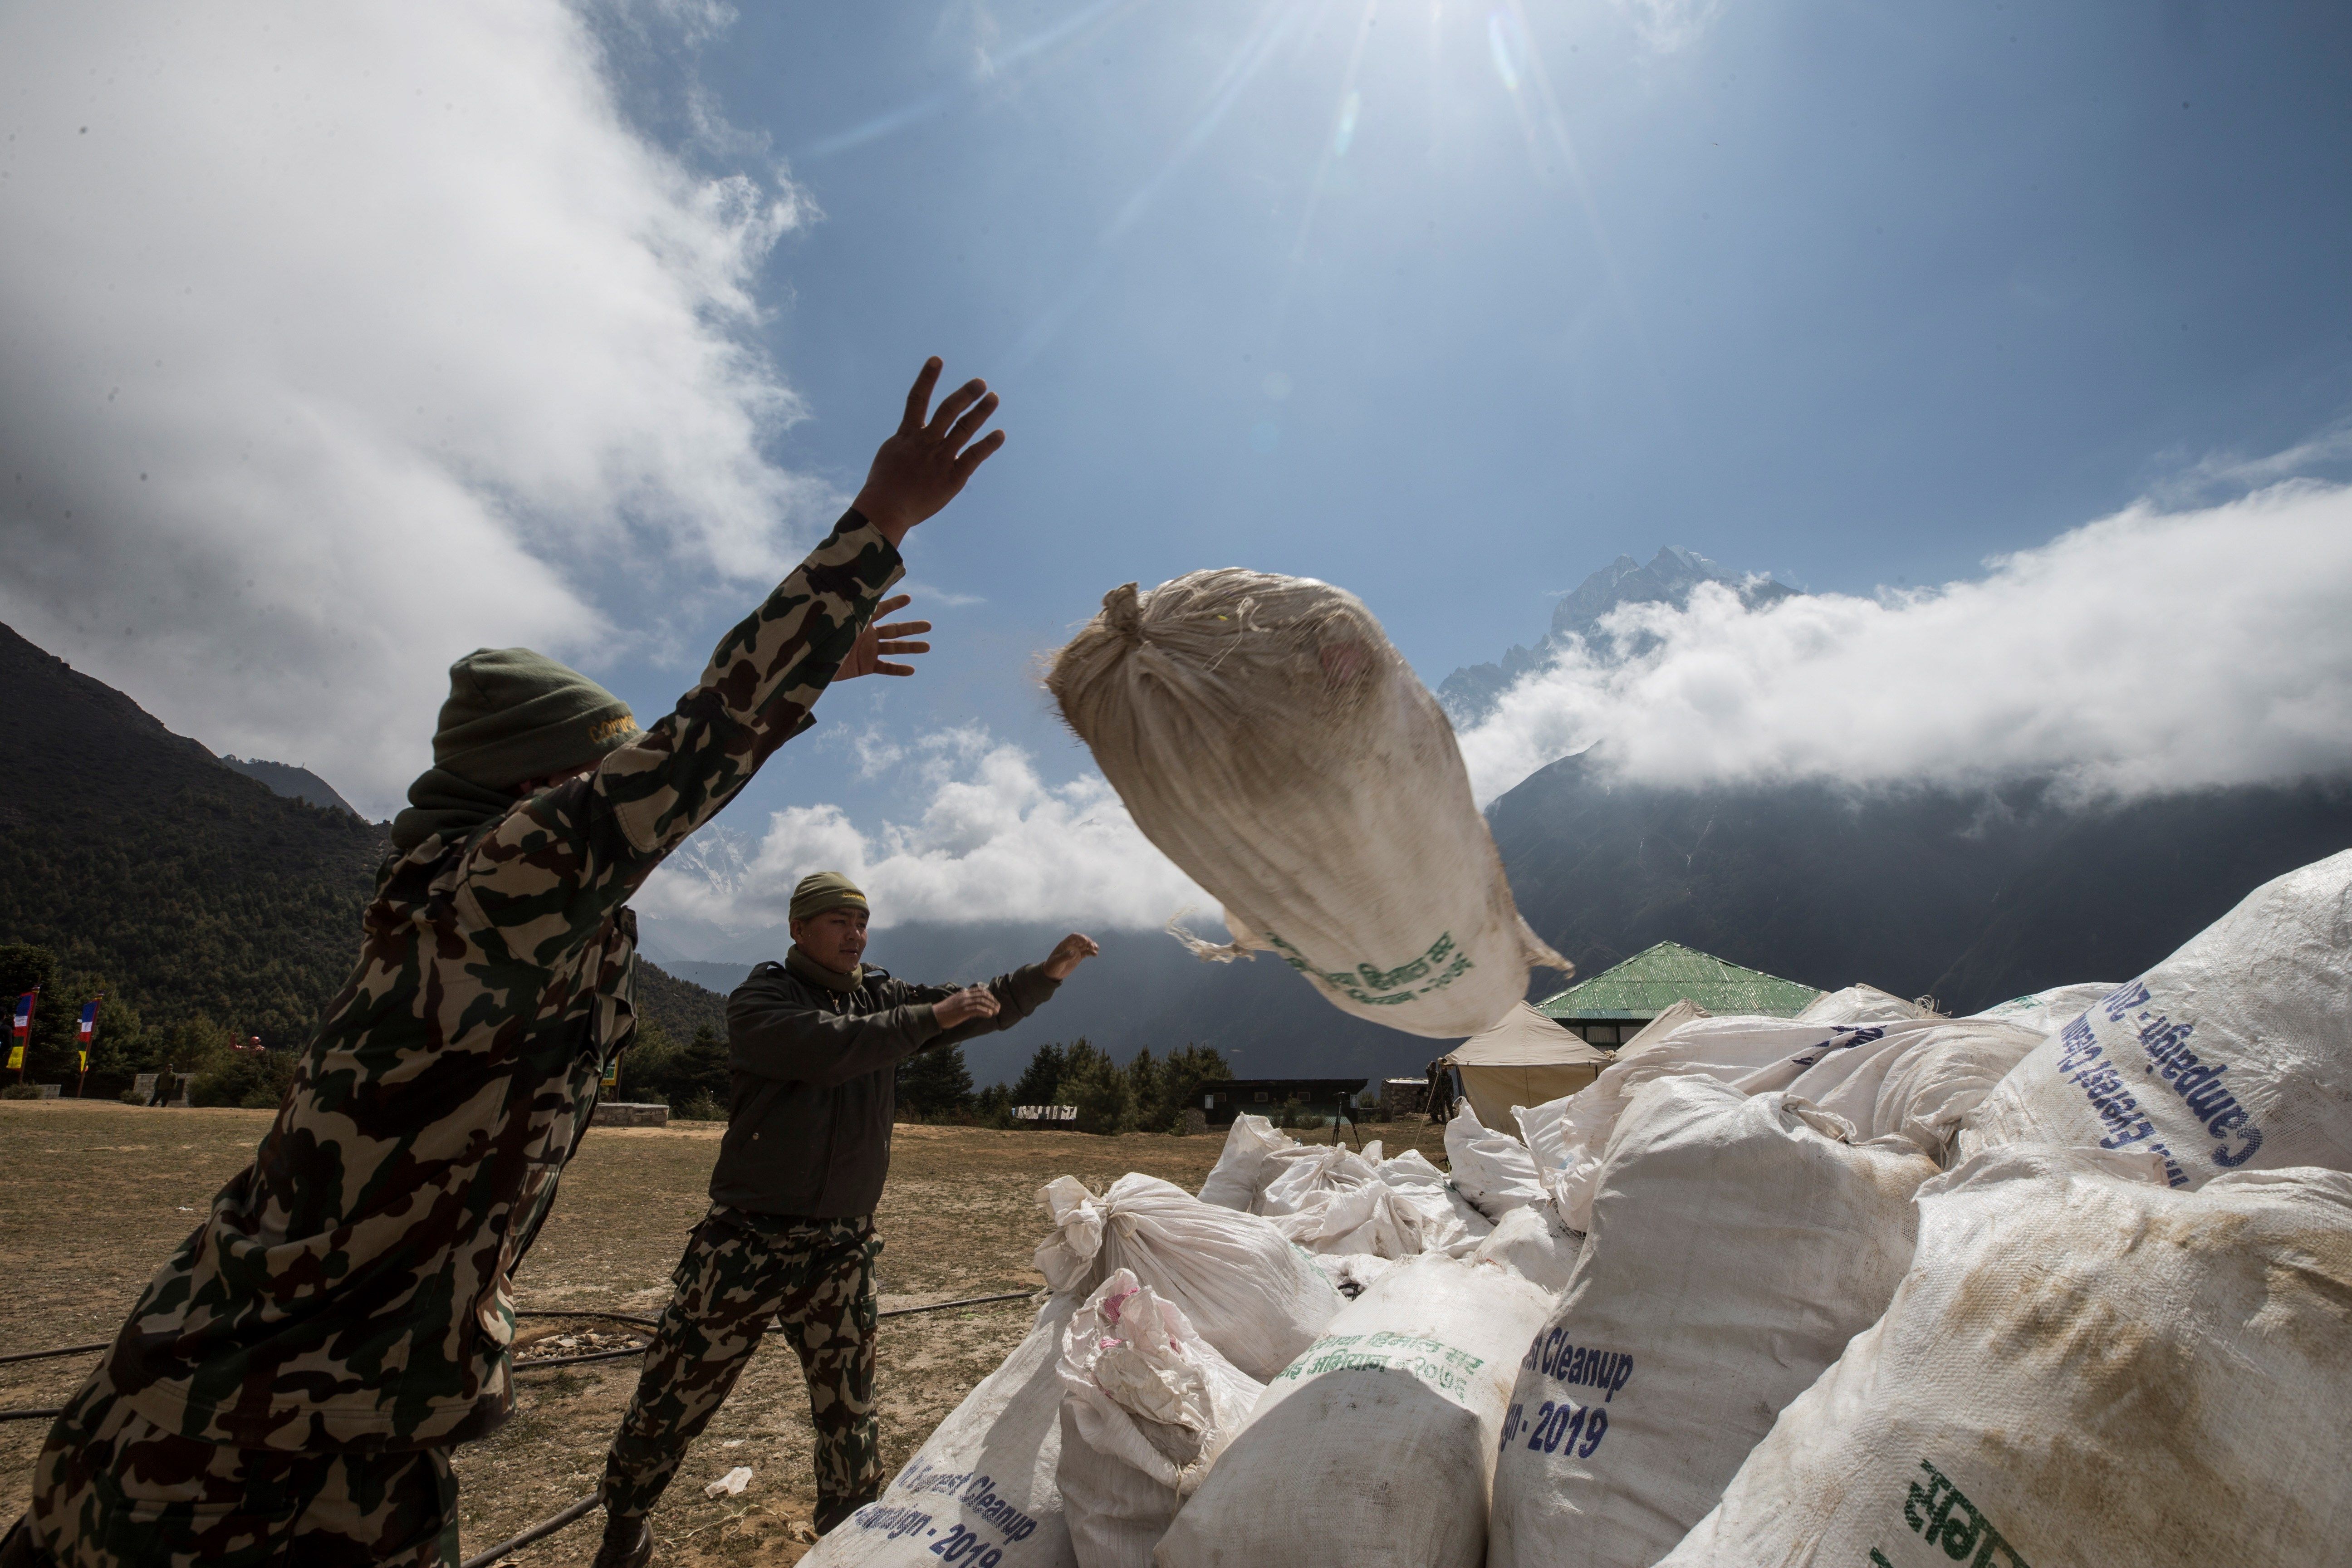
(349, 1288)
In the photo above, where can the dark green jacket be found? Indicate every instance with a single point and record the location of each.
(816, 1083)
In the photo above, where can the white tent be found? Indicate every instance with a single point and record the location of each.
(1525, 1059)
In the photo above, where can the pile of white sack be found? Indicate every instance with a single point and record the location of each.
(2066, 1282)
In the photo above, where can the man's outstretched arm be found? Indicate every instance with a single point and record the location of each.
(767, 672)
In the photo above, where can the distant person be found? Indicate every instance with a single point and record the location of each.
(290, 1385)
(813, 1045)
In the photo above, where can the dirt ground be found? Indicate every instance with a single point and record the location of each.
(93, 1196)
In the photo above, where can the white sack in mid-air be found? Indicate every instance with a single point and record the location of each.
(1264, 734)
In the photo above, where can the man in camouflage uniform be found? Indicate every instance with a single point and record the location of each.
(291, 1381)
(813, 1047)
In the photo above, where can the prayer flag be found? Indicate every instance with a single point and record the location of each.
(21, 1029)
(87, 1030)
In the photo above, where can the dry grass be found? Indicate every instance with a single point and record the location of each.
(93, 1196)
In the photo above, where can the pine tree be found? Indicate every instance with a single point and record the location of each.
(647, 1067)
(700, 1084)
(994, 1106)
(936, 1082)
(1181, 1077)
(1042, 1078)
(1098, 1088)
(1148, 1080)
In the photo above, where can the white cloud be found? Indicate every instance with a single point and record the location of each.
(341, 339)
(1669, 25)
(2145, 653)
(995, 843)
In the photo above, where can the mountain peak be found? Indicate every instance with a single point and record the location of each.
(1469, 694)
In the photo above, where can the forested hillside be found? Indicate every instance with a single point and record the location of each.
(151, 869)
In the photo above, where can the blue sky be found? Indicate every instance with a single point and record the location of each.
(334, 344)
(1452, 304)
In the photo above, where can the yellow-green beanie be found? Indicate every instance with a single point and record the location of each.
(822, 890)
(513, 714)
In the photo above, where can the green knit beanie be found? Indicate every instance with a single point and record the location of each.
(513, 714)
(822, 891)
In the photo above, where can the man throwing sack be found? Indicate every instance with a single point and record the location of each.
(289, 1386)
(814, 1045)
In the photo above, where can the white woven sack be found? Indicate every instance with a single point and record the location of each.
(2234, 1053)
(1333, 1200)
(2082, 1367)
(1264, 733)
(1916, 1079)
(1491, 1168)
(1449, 1224)
(1377, 1444)
(1578, 1127)
(982, 1484)
(1737, 1243)
(1242, 1169)
(1147, 1406)
(2046, 1012)
(1252, 1294)
(1860, 1004)
(1532, 1243)
(1354, 1272)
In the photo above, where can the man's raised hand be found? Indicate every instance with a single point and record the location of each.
(919, 469)
(875, 643)
(961, 1007)
(1069, 954)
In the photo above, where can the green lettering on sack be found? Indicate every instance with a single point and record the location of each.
(1360, 983)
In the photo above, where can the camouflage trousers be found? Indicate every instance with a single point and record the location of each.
(111, 1489)
(815, 1278)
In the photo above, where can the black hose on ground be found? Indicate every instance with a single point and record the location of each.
(539, 1531)
(32, 1414)
(632, 1319)
(65, 1350)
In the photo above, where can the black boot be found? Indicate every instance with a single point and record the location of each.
(628, 1543)
(829, 1514)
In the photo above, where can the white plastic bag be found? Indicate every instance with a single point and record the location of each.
(1737, 1243)
(1353, 1273)
(1252, 1294)
(2234, 1053)
(1491, 1168)
(982, 1484)
(1449, 1224)
(1242, 1171)
(1333, 1200)
(1723, 1048)
(1916, 1079)
(1532, 1243)
(1266, 736)
(1147, 1406)
(2046, 1012)
(1861, 1005)
(1377, 1445)
(2082, 1367)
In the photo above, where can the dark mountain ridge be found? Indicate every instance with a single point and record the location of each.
(1970, 896)
(178, 884)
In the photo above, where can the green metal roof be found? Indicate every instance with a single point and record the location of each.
(1649, 982)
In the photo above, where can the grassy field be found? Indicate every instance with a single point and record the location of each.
(93, 1196)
